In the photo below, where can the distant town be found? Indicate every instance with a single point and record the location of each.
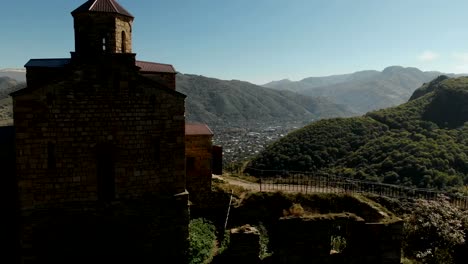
(243, 141)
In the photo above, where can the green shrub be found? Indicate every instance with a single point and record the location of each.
(433, 231)
(264, 241)
(202, 237)
(338, 243)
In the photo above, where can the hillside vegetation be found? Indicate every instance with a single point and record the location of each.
(422, 143)
(7, 86)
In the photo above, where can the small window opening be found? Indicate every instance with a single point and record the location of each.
(51, 162)
(124, 42)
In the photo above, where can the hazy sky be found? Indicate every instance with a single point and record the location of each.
(258, 40)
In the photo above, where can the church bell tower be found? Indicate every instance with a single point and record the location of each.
(102, 27)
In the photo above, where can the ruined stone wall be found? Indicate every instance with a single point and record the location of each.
(308, 240)
(140, 127)
(307, 237)
(296, 240)
(377, 242)
(198, 152)
(244, 245)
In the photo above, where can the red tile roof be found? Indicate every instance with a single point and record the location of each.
(105, 6)
(148, 67)
(195, 129)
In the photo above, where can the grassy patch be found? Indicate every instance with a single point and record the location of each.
(223, 186)
(202, 237)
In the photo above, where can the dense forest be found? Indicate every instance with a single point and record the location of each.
(422, 143)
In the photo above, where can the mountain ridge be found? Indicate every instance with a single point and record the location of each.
(215, 101)
(17, 74)
(363, 91)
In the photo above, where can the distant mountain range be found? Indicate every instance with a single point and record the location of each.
(222, 102)
(9, 85)
(362, 91)
(17, 74)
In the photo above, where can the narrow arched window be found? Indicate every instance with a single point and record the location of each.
(103, 44)
(124, 42)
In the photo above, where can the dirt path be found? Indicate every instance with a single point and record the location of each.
(238, 182)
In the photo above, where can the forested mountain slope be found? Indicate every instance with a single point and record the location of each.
(217, 101)
(422, 143)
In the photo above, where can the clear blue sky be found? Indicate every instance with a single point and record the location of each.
(258, 40)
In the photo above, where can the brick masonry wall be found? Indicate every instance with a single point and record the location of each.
(244, 245)
(168, 79)
(123, 24)
(103, 110)
(43, 76)
(199, 149)
(91, 28)
(97, 105)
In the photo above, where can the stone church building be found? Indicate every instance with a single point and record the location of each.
(100, 151)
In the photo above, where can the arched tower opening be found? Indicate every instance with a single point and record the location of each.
(124, 42)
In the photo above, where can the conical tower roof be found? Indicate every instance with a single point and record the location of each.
(103, 6)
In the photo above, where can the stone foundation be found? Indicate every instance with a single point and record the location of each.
(244, 245)
(153, 230)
